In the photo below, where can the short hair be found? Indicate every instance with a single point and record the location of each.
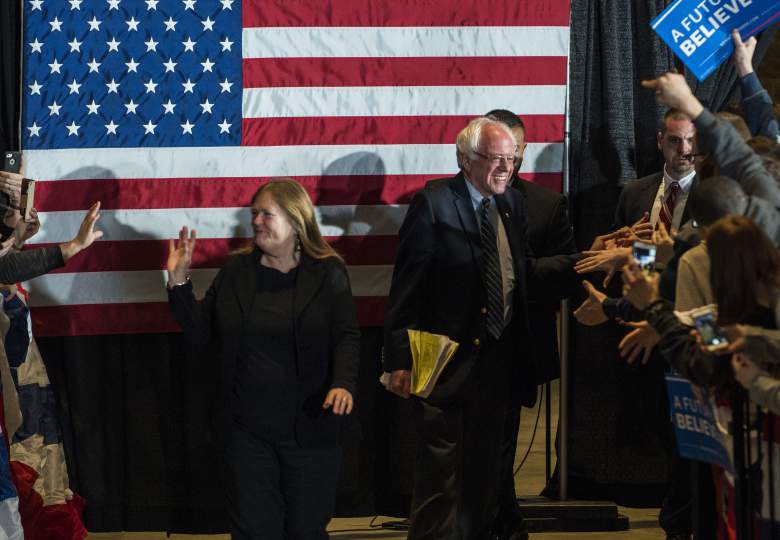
(674, 114)
(714, 198)
(743, 262)
(470, 136)
(507, 117)
(737, 122)
(762, 144)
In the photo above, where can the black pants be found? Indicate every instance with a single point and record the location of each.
(457, 465)
(509, 518)
(277, 490)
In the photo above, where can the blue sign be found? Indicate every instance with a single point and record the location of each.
(698, 435)
(699, 31)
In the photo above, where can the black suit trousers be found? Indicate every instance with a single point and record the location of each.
(278, 490)
(457, 468)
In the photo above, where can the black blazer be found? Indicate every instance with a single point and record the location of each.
(549, 234)
(437, 281)
(638, 197)
(326, 334)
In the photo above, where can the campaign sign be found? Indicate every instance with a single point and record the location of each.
(694, 423)
(699, 31)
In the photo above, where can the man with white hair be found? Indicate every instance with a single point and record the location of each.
(461, 271)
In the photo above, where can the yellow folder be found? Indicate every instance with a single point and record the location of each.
(430, 355)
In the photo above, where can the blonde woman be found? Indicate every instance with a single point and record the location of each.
(283, 315)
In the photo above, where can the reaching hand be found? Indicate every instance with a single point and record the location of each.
(340, 399)
(745, 370)
(591, 312)
(637, 289)
(743, 53)
(640, 340)
(6, 246)
(642, 229)
(180, 256)
(608, 260)
(11, 184)
(25, 230)
(664, 244)
(86, 235)
(401, 382)
(736, 334)
(672, 90)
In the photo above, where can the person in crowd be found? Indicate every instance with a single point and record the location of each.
(745, 282)
(763, 388)
(662, 195)
(549, 234)
(283, 316)
(756, 103)
(17, 266)
(29, 420)
(461, 271)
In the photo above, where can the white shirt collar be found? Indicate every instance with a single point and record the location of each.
(685, 182)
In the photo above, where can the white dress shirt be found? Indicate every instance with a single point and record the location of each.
(679, 205)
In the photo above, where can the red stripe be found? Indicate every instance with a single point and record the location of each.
(132, 255)
(151, 193)
(219, 192)
(151, 317)
(338, 130)
(297, 13)
(417, 71)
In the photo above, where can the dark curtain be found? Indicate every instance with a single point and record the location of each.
(10, 40)
(614, 439)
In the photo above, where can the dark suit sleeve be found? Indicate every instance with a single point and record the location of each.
(560, 235)
(621, 212)
(194, 317)
(552, 275)
(344, 333)
(412, 265)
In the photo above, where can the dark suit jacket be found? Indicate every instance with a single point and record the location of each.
(638, 197)
(437, 281)
(549, 234)
(327, 338)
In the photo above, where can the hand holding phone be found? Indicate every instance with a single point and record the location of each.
(712, 336)
(12, 161)
(644, 254)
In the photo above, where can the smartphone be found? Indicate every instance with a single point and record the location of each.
(27, 200)
(711, 335)
(645, 256)
(12, 161)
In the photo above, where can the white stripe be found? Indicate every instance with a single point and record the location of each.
(373, 42)
(149, 286)
(401, 101)
(254, 161)
(668, 11)
(161, 224)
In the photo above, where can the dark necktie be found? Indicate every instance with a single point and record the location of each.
(494, 319)
(671, 194)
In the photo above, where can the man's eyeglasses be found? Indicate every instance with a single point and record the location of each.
(496, 159)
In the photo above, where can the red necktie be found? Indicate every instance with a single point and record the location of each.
(671, 193)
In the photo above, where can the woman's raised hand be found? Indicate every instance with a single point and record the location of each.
(180, 256)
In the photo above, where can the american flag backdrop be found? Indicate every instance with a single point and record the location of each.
(172, 112)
